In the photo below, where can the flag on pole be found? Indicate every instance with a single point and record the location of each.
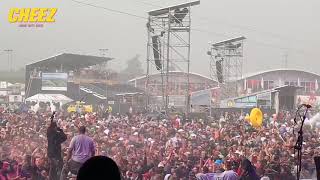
(280, 82)
(245, 84)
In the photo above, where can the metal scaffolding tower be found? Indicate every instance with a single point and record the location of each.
(10, 58)
(226, 65)
(169, 31)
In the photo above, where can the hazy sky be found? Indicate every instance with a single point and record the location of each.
(272, 27)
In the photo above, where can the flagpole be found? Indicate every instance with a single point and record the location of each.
(210, 102)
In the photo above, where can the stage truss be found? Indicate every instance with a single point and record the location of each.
(228, 55)
(168, 47)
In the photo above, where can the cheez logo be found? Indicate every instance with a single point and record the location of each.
(32, 15)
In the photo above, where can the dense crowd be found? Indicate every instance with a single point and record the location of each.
(172, 148)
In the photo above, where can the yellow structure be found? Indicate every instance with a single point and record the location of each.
(80, 106)
(256, 117)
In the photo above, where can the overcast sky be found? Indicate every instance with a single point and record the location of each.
(273, 28)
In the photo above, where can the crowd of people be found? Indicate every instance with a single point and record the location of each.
(173, 148)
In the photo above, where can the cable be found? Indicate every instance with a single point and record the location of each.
(210, 32)
(249, 28)
(281, 47)
(253, 29)
(194, 29)
(253, 41)
(149, 4)
(108, 9)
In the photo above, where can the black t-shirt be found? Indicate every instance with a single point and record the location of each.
(36, 173)
(4, 174)
(55, 138)
(26, 171)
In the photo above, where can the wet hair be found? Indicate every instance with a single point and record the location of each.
(205, 169)
(228, 164)
(99, 167)
(27, 158)
(82, 129)
(247, 166)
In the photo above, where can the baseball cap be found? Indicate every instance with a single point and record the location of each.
(218, 162)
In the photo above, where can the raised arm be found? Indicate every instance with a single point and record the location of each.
(93, 149)
(62, 137)
(70, 149)
(33, 154)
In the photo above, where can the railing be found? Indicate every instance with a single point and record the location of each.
(87, 80)
(95, 89)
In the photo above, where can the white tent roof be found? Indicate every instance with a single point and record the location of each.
(50, 98)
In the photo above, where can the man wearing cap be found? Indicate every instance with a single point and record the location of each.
(218, 166)
(81, 148)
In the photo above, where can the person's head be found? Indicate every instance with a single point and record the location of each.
(203, 154)
(5, 166)
(228, 165)
(39, 161)
(82, 129)
(14, 165)
(27, 160)
(99, 167)
(246, 165)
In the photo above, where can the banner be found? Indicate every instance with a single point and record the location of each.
(206, 97)
(3, 93)
(15, 98)
(313, 100)
(3, 85)
(54, 81)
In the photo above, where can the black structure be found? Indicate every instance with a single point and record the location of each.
(317, 162)
(95, 90)
(67, 61)
(299, 143)
(156, 52)
(219, 71)
(63, 63)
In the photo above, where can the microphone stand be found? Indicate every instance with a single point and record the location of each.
(52, 117)
(299, 142)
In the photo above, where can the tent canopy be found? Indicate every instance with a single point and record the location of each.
(50, 98)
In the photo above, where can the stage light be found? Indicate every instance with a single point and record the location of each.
(150, 29)
(156, 52)
(219, 71)
(179, 15)
(162, 33)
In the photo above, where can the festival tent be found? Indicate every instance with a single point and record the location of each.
(49, 98)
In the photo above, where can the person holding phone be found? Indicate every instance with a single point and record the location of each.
(55, 137)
